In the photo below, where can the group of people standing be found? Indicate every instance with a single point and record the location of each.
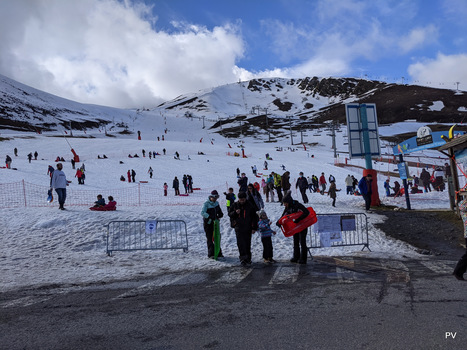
(187, 182)
(8, 159)
(247, 216)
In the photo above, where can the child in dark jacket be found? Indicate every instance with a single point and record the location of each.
(100, 201)
(264, 227)
(230, 198)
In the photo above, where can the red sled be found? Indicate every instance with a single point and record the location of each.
(184, 194)
(289, 228)
(196, 189)
(108, 207)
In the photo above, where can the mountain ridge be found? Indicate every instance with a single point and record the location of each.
(269, 105)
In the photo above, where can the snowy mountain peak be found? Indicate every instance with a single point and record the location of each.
(243, 108)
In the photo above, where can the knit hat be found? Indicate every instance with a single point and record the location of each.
(241, 195)
(262, 213)
(214, 194)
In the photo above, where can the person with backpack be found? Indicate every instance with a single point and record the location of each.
(211, 212)
(244, 219)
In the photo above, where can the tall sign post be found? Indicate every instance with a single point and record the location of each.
(362, 131)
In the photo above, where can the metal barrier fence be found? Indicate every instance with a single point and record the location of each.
(146, 235)
(339, 230)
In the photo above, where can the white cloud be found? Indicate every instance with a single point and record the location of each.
(318, 66)
(107, 52)
(418, 37)
(445, 69)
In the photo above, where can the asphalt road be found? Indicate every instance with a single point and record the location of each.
(331, 303)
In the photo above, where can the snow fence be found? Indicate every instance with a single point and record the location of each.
(25, 194)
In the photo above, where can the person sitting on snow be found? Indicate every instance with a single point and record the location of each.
(100, 201)
(110, 206)
(397, 189)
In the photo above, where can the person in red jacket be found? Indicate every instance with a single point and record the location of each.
(322, 183)
(79, 175)
(110, 206)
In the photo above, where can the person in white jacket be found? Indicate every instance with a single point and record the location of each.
(59, 184)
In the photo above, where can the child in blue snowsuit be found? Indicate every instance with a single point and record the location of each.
(264, 227)
(387, 187)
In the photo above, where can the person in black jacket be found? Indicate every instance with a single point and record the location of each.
(302, 185)
(211, 211)
(176, 185)
(243, 183)
(245, 221)
(300, 250)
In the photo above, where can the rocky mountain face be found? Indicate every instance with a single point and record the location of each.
(273, 105)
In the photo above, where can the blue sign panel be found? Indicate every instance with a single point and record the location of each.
(403, 171)
(411, 145)
(357, 125)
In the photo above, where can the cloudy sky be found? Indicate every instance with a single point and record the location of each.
(135, 53)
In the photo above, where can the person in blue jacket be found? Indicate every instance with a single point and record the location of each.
(364, 186)
(211, 211)
(387, 187)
